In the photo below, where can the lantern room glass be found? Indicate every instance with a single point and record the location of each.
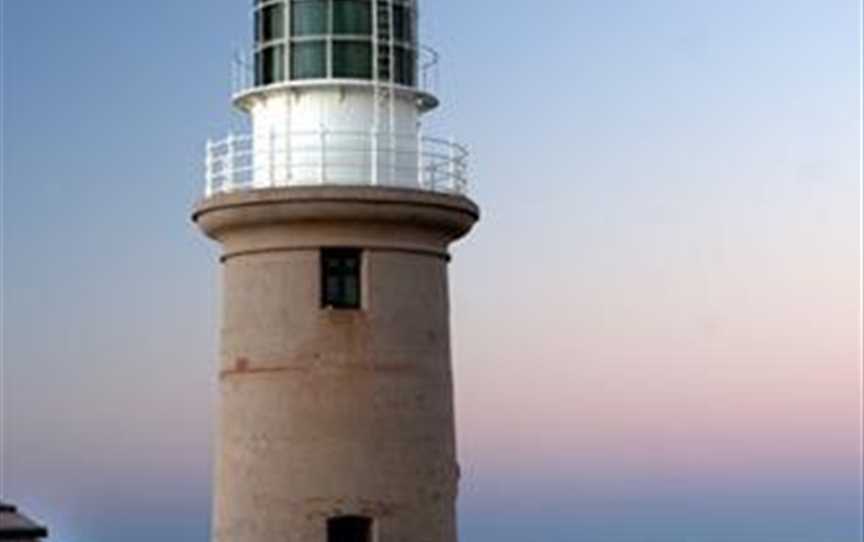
(332, 38)
(309, 17)
(352, 17)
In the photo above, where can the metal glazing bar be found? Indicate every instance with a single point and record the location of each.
(288, 34)
(328, 67)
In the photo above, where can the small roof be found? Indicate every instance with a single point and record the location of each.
(14, 526)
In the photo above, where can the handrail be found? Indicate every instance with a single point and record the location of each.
(243, 73)
(429, 70)
(334, 157)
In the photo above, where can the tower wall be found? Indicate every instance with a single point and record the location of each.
(342, 108)
(295, 130)
(324, 412)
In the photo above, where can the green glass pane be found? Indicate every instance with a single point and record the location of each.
(273, 27)
(308, 60)
(309, 17)
(351, 292)
(332, 291)
(403, 22)
(270, 65)
(405, 66)
(352, 17)
(352, 59)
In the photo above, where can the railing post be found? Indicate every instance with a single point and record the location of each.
(452, 167)
(288, 159)
(208, 169)
(229, 163)
(394, 154)
(322, 173)
(239, 72)
(420, 181)
(373, 155)
(248, 74)
(247, 71)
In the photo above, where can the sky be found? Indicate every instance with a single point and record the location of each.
(656, 325)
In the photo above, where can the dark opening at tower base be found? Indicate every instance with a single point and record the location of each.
(349, 529)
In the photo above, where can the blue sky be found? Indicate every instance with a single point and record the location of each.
(656, 325)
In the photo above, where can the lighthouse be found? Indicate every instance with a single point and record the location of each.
(334, 216)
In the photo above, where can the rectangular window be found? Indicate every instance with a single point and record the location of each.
(308, 60)
(309, 17)
(340, 278)
(352, 59)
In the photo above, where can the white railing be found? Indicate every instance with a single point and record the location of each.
(322, 157)
(243, 72)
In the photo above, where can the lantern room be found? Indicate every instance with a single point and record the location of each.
(298, 40)
(335, 91)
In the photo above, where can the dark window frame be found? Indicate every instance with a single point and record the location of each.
(341, 278)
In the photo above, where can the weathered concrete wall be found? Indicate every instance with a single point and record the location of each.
(326, 412)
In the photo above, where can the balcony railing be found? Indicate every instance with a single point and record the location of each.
(243, 78)
(322, 157)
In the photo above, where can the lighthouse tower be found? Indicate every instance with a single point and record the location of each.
(334, 216)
